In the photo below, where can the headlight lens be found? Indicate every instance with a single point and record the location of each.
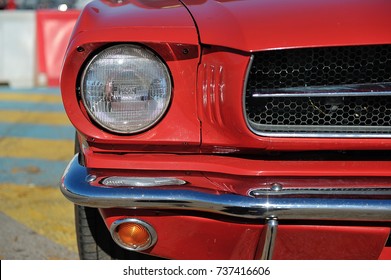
(126, 88)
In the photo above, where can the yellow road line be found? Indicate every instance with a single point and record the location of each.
(45, 98)
(44, 210)
(49, 118)
(36, 148)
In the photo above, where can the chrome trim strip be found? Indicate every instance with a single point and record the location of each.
(79, 191)
(329, 192)
(378, 89)
(302, 134)
(270, 238)
(320, 129)
(318, 94)
(244, 107)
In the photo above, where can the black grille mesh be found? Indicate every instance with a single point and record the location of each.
(322, 111)
(320, 67)
(279, 70)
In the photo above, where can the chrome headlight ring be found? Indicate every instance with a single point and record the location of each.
(126, 88)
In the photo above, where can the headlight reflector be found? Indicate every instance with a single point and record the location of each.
(126, 88)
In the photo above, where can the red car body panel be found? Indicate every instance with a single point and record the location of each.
(204, 138)
(254, 25)
(209, 238)
(103, 23)
(237, 166)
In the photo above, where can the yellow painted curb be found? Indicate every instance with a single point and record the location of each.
(44, 210)
(28, 97)
(49, 118)
(36, 148)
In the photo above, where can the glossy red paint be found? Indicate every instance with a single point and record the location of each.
(224, 130)
(166, 21)
(214, 94)
(168, 34)
(385, 254)
(193, 237)
(184, 236)
(237, 166)
(330, 242)
(204, 140)
(184, 134)
(254, 25)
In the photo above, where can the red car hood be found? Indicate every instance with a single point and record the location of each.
(252, 25)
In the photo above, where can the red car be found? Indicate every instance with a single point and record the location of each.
(231, 129)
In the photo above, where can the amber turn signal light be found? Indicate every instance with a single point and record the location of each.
(133, 234)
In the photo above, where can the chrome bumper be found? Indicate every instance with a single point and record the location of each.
(360, 205)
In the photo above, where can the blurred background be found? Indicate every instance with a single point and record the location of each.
(36, 138)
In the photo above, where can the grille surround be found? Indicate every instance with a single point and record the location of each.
(291, 93)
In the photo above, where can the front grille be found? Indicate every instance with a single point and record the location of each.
(330, 92)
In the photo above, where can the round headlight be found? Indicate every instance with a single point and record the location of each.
(126, 88)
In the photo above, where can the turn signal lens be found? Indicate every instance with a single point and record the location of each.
(133, 234)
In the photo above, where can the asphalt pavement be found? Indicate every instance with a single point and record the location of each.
(36, 143)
